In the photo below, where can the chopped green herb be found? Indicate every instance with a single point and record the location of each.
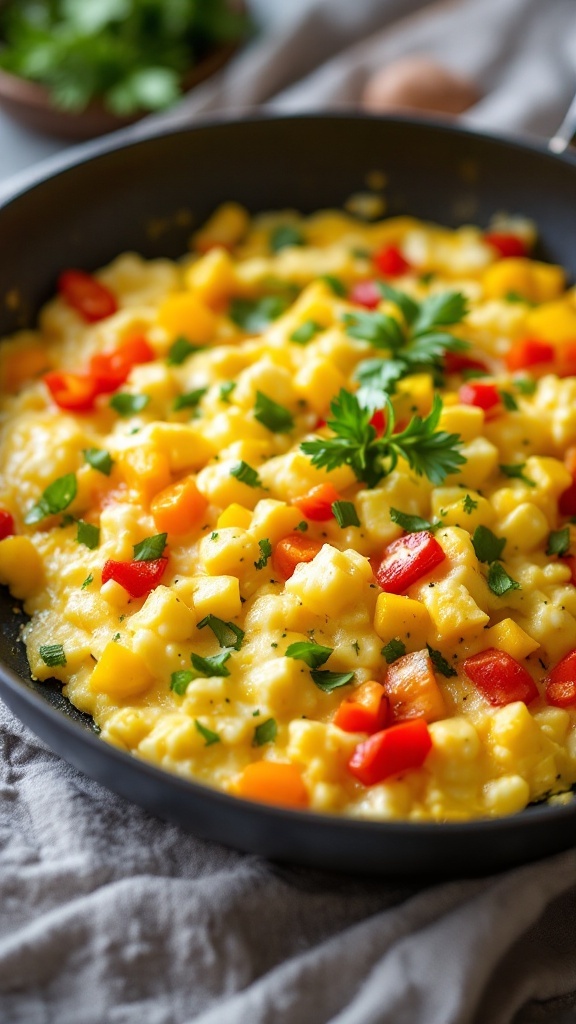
(57, 496)
(150, 548)
(508, 401)
(89, 579)
(99, 459)
(126, 404)
(285, 235)
(213, 665)
(356, 647)
(308, 330)
(88, 534)
(474, 373)
(214, 535)
(254, 315)
(190, 400)
(116, 638)
(525, 385)
(314, 655)
(179, 681)
(559, 542)
(246, 474)
(265, 552)
(515, 471)
(393, 650)
(303, 526)
(440, 663)
(52, 654)
(226, 390)
(335, 284)
(412, 524)
(266, 732)
(180, 350)
(487, 545)
(499, 581)
(207, 734)
(228, 634)
(329, 681)
(275, 417)
(345, 513)
(517, 297)
(469, 504)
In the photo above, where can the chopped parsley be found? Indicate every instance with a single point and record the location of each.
(303, 526)
(499, 581)
(89, 579)
(189, 400)
(525, 385)
(246, 474)
(52, 655)
(126, 404)
(99, 459)
(335, 284)
(306, 332)
(345, 513)
(266, 732)
(559, 542)
(487, 545)
(57, 496)
(180, 350)
(265, 552)
(226, 390)
(275, 417)
(207, 734)
(393, 650)
(329, 681)
(88, 534)
(228, 634)
(179, 681)
(440, 663)
(285, 235)
(469, 504)
(255, 315)
(150, 548)
(412, 524)
(314, 655)
(213, 665)
(515, 471)
(508, 401)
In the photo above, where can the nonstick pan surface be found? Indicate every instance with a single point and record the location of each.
(147, 194)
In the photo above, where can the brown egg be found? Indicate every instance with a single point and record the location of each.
(418, 84)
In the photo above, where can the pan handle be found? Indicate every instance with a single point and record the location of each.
(567, 131)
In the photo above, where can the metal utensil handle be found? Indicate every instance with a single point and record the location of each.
(567, 131)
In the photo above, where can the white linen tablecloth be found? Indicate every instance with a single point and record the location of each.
(109, 916)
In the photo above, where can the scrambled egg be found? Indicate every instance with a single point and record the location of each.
(234, 609)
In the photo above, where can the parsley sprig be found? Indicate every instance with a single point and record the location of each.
(428, 451)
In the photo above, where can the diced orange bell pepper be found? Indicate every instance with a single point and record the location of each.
(365, 711)
(178, 508)
(273, 783)
(317, 503)
(412, 689)
(292, 550)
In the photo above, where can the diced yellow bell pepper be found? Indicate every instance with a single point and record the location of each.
(553, 321)
(536, 282)
(212, 278)
(146, 470)
(120, 673)
(185, 315)
(510, 637)
(402, 617)
(234, 515)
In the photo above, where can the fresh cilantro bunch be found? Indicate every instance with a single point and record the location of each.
(428, 451)
(417, 346)
(132, 54)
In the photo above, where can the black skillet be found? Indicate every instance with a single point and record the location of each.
(144, 195)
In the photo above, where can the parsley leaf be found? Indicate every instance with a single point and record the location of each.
(150, 548)
(266, 732)
(335, 284)
(345, 513)
(440, 663)
(189, 400)
(308, 330)
(515, 471)
(180, 350)
(469, 504)
(89, 579)
(57, 496)
(285, 235)
(329, 681)
(226, 390)
(314, 655)
(228, 634)
(246, 474)
(559, 542)
(525, 385)
(441, 310)
(52, 654)
(255, 315)
(393, 650)
(265, 552)
(88, 534)
(126, 403)
(487, 545)
(508, 401)
(179, 681)
(412, 524)
(499, 581)
(207, 734)
(275, 417)
(99, 459)
(380, 329)
(213, 665)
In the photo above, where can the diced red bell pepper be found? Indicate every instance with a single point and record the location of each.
(565, 358)
(365, 711)
(73, 391)
(528, 352)
(500, 678)
(455, 362)
(138, 578)
(412, 689)
(567, 501)
(111, 369)
(398, 749)
(91, 299)
(378, 421)
(390, 262)
(293, 549)
(506, 244)
(317, 503)
(366, 293)
(480, 393)
(561, 683)
(7, 527)
(407, 560)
